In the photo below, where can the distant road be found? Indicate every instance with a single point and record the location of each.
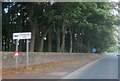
(105, 68)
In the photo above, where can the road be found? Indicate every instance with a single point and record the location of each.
(104, 68)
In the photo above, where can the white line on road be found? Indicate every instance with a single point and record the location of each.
(75, 73)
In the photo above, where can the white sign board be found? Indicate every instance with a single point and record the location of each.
(25, 35)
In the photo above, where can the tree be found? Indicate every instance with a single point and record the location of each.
(61, 27)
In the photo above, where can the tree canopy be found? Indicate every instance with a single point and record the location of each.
(60, 27)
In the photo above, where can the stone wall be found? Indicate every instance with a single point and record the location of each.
(8, 60)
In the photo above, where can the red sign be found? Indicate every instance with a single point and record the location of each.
(16, 53)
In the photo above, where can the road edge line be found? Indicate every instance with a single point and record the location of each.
(74, 73)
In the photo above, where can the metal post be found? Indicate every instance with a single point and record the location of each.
(27, 50)
(17, 50)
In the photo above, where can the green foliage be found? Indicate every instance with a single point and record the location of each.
(91, 24)
(83, 48)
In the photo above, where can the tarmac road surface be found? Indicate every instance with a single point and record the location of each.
(104, 68)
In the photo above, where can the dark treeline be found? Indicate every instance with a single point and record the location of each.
(60, 27)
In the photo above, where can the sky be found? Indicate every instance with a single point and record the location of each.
(115, 0)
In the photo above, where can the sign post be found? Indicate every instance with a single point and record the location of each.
(27, 50)
(17, 37)
(16, 55)
(17, 41)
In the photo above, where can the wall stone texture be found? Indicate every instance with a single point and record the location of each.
(8, 60)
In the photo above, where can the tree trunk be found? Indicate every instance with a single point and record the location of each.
(33, 25)
(63, 38)
(71, 41)
(1, 27)
(58, 38)
(41, 44)
(74, 41)
(32, 42)
(78, 41)
(5, 44)
(58, 41)
(88, 45)
(37, 39)
(42, 39)
(49, 41)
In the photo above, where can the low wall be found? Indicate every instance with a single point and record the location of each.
(8, 61)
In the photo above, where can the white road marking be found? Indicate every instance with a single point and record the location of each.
(75, 73)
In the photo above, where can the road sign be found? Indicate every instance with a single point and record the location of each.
(94, 50)
(16, 53)
(17, 37)
(25, 35)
